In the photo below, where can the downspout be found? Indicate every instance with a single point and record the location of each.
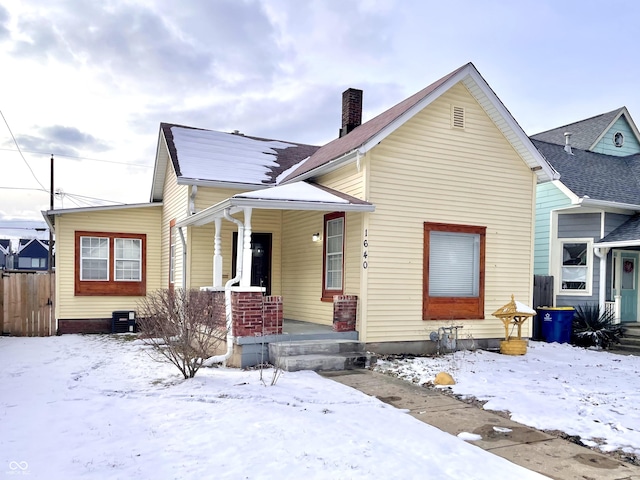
(192, 200)
(602, 253)
(227, 294)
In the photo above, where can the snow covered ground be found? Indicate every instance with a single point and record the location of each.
(97, 407)
(592, 394)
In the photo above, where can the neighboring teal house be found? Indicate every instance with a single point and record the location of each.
(588, 222)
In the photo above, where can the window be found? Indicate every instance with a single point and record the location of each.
(128, 259)
(575, 272)
(110, 264)
(333, 267)
(94, 258)
(453, 270)
(31, 263)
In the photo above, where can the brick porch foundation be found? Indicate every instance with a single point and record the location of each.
(345, 309)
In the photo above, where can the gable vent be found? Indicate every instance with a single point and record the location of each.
(457, 116)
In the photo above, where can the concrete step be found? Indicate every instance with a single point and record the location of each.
(320, 355)
(625, 348)
(308, 347)
(631, 330)
(630, 341)
(325, 362)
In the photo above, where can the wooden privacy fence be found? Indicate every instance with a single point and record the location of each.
(26, 304)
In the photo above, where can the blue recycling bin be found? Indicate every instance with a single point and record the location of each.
(556, 323)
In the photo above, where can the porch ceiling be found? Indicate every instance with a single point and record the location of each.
(293, 196)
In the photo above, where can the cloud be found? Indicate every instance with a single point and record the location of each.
(4, 20)
(196, 46)
(61, 140)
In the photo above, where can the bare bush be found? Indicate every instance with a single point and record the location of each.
(183, 327)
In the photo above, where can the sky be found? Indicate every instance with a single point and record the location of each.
(97, 407)
(90, 82)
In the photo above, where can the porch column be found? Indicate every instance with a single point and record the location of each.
(217, 256)
(245, 281)
(602, 253)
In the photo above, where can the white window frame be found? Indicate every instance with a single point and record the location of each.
(338, 254)
(587, 292)
(116, 259)
(82, 258)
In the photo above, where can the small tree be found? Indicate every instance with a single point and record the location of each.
(182, 327)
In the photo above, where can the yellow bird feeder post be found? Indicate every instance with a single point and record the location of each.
(513, 313)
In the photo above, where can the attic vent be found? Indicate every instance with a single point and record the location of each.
(457, 117)
(618, 139)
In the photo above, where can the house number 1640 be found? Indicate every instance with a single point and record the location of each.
(365, 244)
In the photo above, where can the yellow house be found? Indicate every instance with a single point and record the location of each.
(417, 219)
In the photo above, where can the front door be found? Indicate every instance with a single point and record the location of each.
(260, 261)
(627, 280)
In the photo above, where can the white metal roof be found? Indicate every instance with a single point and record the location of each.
(296, 196)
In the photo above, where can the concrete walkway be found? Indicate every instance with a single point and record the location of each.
(551, 456)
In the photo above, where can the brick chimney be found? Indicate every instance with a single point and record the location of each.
(351, 110)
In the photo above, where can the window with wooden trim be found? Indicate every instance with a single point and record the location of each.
(110, 264)
(453, 272)
(333, 257)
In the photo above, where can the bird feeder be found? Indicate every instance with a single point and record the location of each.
(514, 314)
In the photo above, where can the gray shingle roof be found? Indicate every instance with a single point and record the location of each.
(629, 230)
(596, 175)
(583, 133)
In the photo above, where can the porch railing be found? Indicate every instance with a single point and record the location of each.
(613, 308)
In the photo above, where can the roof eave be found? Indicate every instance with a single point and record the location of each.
(301, 205)
(159, 168)
(588, 202)
(618, 244)
(328, 167)
(219, 184)
(64, 211)
(234, 205)
(509, 127)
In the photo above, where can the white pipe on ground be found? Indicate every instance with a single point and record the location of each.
(227, 294)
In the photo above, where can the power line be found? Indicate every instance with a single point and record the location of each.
(93, 198)
(66, 194)
(81, 158)
(24, 188)
(20, 151)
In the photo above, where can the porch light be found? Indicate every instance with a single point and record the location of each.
(315, 237)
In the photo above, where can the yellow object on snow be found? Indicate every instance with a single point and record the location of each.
(443, 378)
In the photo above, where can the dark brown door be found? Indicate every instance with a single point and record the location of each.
(260, 261)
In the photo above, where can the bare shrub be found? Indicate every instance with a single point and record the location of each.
(182, 327)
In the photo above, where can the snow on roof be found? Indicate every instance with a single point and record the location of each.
(300, 191)
(225, 157)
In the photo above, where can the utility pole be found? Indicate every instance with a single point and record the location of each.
(50, 259)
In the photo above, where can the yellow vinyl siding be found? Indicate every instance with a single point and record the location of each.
(302, 268)
(428, 171)
(175, 207)
(302, 258)
(145, 220)
(202, 238)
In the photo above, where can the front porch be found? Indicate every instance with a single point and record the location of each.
(254, 350)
